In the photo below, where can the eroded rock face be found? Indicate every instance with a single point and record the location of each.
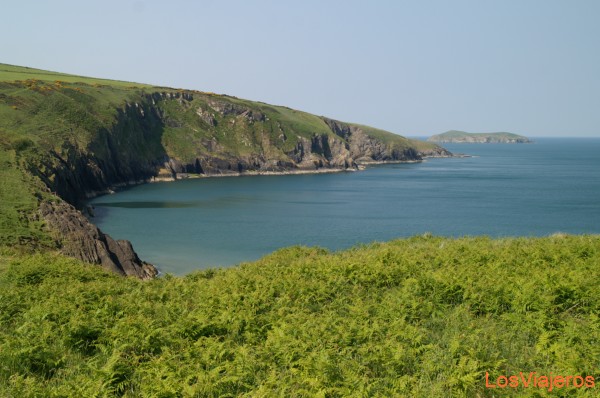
(364, 148)
(131, 151)
(227, 108)
(437, 152)
(206, 117)
(81, 239)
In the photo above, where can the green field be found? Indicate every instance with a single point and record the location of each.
(420, 317)
(10, 73)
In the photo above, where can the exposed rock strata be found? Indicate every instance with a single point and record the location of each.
(132, 151)
(83, 240)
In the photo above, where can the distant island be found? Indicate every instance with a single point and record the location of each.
(462, 137)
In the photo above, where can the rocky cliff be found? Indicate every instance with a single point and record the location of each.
(155, 137)
(78, 238)
(86, 138)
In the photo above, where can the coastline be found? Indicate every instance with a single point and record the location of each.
(186, 176)
(360, 166)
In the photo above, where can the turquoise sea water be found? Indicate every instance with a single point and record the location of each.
(535, 189)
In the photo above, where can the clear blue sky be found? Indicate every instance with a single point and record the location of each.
(412, 67)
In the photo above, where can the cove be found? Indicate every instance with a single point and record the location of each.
(535, 189)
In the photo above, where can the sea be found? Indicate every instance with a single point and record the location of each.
(499, 190)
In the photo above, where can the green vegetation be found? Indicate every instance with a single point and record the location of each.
(14, 73)
(52, 108)
(53, 112)
(43, 118)
(462, 136)
(385, 137)
(75, 134)
(18, 205)
(424, 317)
(420, 317)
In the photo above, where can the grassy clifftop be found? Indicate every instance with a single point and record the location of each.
(419, 317)
(78, 136)
(51, 108)
(9, 73)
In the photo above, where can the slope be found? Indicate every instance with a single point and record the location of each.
(82, 136)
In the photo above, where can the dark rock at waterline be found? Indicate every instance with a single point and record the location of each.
(131, 151)
(81, 239)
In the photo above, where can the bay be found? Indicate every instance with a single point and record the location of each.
(550, 186)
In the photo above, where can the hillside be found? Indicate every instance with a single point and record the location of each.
(419, 317)
(461, 137)
(64, 138)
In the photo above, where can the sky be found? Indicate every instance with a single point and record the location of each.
(415, 68)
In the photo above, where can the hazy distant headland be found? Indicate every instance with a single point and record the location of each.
(462, 137)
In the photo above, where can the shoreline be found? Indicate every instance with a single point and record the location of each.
(189, 176)
(88, 209)
(250, 173)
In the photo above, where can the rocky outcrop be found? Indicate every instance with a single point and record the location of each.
(80, 239)
(226, 108)
(348, 147)
(214, 135)
(436, 152)
(130, 152)
(366, 148)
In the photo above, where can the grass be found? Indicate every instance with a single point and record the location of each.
(9, 73)
(396, 141)
(50, 108)
(418, 317)
(50, 113)
(18, 206)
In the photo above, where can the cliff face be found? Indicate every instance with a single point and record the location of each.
(364, 148)
(156, 137)
(134, 150)
(79, 238)
(84, 139)
(128, 152)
